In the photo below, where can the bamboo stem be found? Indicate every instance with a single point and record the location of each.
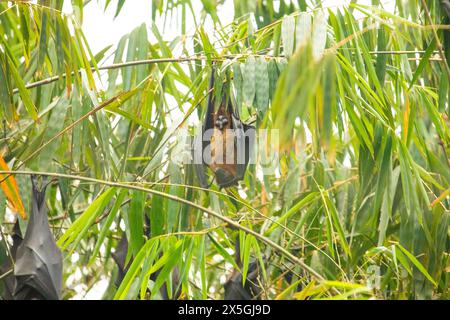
(179, 59)
(227, 220)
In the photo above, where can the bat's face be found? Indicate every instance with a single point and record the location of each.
(222, 119)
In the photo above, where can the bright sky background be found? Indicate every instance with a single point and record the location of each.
(101, 29)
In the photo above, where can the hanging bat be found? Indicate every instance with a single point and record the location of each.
(38, 265)
(10, 281)
(223, 144)
(234, 289)
(120, 256)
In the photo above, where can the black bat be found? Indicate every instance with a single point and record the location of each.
(120, 256)
(227, 138)
(38, 261)
(9, 281)
(234, 289)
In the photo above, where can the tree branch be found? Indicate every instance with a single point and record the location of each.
(170, 60)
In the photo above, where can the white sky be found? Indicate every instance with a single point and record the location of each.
(101, 29)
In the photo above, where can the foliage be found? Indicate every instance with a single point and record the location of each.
(350, 208)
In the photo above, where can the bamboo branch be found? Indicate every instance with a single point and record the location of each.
(113, 66)
(69, 127)
(225, 219)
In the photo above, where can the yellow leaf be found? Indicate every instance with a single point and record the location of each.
(9, 186)
(444, 195)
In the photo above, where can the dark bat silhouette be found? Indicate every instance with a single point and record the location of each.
(227, 138)
(10, 281)
(120, 256)
(234, 289)
(38, 265)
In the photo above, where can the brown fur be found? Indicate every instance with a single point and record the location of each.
(222, 146)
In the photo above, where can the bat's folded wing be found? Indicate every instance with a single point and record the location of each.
(35, 278)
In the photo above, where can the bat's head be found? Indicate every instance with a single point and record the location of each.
(222, 120)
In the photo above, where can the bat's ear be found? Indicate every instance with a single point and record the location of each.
(39, 188)
(42, 186)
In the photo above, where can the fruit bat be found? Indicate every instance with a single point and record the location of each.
(120, 255)
(234, 289)
(38, 265)
(10, 281)
(223, 143)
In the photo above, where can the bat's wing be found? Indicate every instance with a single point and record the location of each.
(120, 257)
(209, 120)
(245, 141)
(198, 161)
(17, 238)
(10, 281)
(234, 290)
(203, 138)
(38, 268)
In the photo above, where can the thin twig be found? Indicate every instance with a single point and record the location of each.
(4, 275)
(179, 59)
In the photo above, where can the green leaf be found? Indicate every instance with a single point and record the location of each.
(417, 264)
(80, 226)
(136, 220)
